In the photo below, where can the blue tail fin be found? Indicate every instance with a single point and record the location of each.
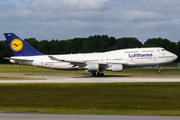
(20, 47)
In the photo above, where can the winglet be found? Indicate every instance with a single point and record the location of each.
(20, 47)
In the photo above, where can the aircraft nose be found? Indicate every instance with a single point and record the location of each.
(175, 56)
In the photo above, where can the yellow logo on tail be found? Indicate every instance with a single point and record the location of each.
(16, 45)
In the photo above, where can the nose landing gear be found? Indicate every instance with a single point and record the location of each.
(159, 71)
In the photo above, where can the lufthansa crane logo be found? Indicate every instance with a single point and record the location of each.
(16, 45)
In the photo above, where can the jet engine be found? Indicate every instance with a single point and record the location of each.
(38, 63)
(115, 67)
(12, 61)
(92, 67)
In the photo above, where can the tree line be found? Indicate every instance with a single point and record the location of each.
(96, 43)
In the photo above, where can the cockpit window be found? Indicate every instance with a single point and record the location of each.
(163, 50)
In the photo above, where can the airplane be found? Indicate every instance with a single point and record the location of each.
(95, 63)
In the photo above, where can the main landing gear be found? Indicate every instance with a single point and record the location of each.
(159, 71)
(98, 74)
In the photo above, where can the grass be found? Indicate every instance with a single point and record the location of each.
(10, 68)
(92, 98)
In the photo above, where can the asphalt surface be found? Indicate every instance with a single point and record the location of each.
(54, 78)
(18, 116)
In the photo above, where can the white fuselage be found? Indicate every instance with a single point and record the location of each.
(138, 57)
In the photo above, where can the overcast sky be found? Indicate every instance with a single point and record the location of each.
(67, 19)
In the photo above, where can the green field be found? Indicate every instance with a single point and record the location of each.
(10, 68)
(19, 78)
(91, 98)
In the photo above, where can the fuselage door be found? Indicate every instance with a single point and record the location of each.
(155, 54)
(102, 59)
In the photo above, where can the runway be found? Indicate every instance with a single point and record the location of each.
(54, 78)
(18, 116)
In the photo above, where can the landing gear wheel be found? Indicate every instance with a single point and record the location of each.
(159, 71)
(93, 74)
(100, 74)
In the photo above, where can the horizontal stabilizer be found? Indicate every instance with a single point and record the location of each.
(7, 58)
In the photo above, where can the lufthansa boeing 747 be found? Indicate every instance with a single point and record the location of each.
(95, 63)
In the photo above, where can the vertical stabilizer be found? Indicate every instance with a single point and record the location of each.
(20, 47)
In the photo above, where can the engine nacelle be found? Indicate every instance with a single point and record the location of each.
(38, 63)
(92, 67)
(12, 61)
(115, 67)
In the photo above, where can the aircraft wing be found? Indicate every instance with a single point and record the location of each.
(90, 64)
(74, 62)
(77, 63)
